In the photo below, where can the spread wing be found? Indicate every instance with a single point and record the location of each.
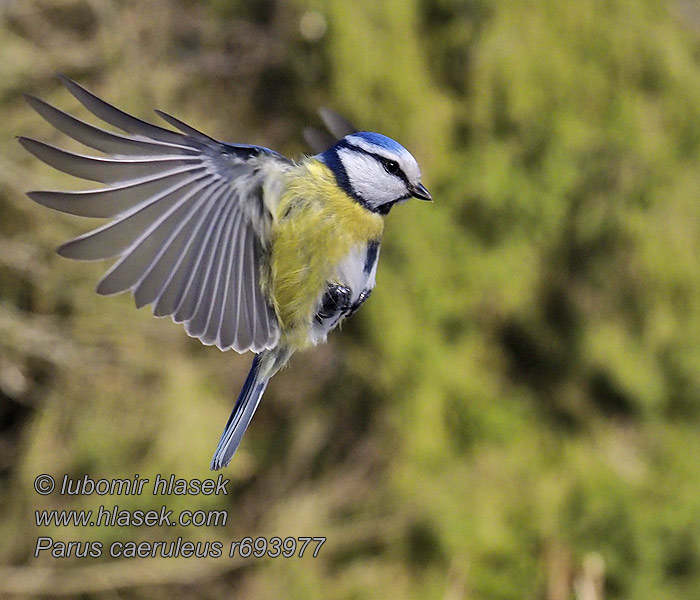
(187, 220)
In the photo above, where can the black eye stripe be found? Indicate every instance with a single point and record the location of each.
(383, 160)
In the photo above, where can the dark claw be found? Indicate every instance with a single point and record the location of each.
(335, 300)
(364, 294)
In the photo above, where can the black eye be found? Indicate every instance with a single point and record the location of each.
(391, 166)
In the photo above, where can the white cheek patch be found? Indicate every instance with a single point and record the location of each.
(369, 179)
(408, 163)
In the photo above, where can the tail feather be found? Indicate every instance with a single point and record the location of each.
(242, 413)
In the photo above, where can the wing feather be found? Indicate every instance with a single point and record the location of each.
(104, 170)
(101, 139)
(187, 220)
(135, 261)
(213, 328)
(229, 325)
(210, 276)
(337, 125)
(156, 277)
(184, 127)
(224, 338)
(112, 201)
(318, 140)
(243, 330)
(112, 239)
(117, 117)
(247, 283)
(193, 292)
(176, 287)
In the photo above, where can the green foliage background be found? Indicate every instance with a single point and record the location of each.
(515, 414)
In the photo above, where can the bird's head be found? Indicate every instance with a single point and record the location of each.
(376, 170)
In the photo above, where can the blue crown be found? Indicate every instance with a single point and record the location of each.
(381, 141)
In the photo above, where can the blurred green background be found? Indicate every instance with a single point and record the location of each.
(516, 412)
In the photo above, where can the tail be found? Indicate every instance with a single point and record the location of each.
(264, 366)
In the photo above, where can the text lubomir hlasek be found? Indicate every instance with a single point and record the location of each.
(171, 486)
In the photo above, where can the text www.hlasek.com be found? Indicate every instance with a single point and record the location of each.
(116, 517)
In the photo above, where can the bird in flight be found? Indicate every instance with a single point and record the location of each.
(246, 248)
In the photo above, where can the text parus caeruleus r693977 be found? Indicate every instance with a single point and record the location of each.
(246, 248)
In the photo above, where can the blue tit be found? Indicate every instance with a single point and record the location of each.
(249, 250)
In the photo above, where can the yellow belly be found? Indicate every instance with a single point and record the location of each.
(315, 226)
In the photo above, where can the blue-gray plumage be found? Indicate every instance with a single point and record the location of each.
(246, 248)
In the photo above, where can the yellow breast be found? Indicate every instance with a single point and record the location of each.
(315, 226)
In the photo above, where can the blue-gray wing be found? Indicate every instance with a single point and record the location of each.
(187, 221)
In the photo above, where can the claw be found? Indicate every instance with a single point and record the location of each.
(335, 300)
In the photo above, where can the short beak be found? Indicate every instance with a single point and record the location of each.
(421, 193)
